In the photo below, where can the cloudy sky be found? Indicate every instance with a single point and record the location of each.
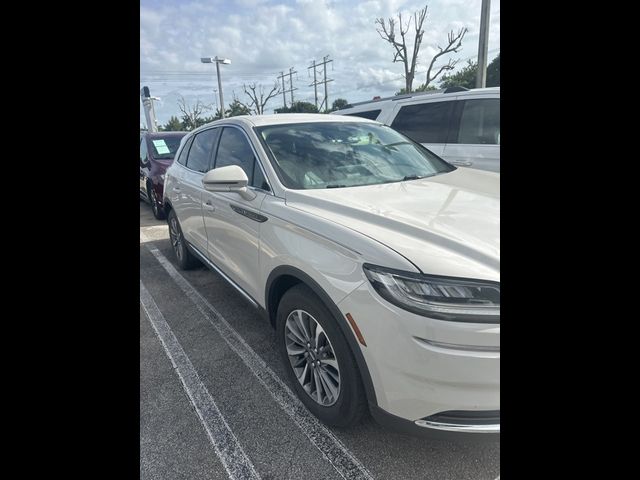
(265, 37)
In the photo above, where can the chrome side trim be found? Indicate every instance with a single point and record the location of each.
(455, 427)
(455, 346)
(223, 275)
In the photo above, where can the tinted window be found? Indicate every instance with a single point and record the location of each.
(425, 123)
(346, 154)
(200, 151)
(182, 159)
(370, 114)
(480, 122)
(234, 149)
(164, 148)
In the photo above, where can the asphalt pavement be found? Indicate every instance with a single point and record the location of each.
(215, 402)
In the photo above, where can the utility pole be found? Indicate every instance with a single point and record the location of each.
(291, 87)
(315, 83)
(284, 92)
(483, 44)
(324, 63)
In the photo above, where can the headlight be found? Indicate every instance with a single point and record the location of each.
(443, 298)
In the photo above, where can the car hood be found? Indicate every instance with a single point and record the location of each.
(448, 224)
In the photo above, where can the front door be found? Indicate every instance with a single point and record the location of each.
(232, 222)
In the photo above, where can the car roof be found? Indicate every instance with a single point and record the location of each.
(414, 97)
(164, 134)
(283, 118)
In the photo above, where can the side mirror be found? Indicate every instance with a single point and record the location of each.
(144, 164)
(228, 179)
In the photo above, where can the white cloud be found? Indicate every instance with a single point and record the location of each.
(264, 37)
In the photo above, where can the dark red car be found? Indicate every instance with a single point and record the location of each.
(157, 151)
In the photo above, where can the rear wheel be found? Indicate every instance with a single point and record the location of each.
(318, 359)
(185, 258)
(153, 199)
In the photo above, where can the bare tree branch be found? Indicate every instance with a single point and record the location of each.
(192, 114)
(454, 45)
(257, 98)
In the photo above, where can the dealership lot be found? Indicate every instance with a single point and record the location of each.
(214, 400)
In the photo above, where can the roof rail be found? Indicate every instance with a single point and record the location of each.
(456, 88)
(409, 95)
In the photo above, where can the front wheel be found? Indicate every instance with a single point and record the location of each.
(318, 359)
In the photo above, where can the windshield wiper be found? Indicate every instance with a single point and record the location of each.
(412, 177)
(335, 185)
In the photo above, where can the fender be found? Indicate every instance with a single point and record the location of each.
(337, 314)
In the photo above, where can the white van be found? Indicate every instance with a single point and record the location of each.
(462, 126)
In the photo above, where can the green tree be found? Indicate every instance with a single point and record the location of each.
(421, 88)
(173, 125)
(466, 77)
(338, 104)
(298, 107)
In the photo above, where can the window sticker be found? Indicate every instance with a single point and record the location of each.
(161, 146)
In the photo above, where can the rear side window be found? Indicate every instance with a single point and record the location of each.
(370, 114)
(424, 123)
(234, 149)
(480, 122)
(182, 159)
(200, 151)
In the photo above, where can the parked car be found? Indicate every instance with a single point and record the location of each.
(157, 151)
(462, 126)
(377, 262)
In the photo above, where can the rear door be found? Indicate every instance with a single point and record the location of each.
(474, 140)
(190, 189)
(232, 222)
(424, 122)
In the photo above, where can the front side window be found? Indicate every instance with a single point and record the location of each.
(424, 123)
(200, 151)
(234, 149)
(341, 154)
(480, 122)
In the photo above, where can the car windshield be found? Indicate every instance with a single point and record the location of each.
(346, 154)
(164, 148)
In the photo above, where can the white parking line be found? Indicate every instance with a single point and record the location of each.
(225, 443)
(345, 463)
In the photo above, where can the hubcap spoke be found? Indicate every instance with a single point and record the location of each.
(312, 357)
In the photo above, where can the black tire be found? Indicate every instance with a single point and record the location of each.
(153, 200)
(186, 260)
(350, 405)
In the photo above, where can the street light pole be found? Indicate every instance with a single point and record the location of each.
(218, 61)
(220, 88)
(483, 44)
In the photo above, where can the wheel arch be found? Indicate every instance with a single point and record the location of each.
(284, 277)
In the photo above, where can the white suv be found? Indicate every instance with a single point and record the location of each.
(462, 126)
(377, 263)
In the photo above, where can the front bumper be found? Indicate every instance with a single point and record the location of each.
(428, 374)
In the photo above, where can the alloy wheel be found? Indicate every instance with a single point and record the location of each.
(175, 237)
(312, 357)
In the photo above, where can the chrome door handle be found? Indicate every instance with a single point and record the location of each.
(461, 163)
(208, 206)
(176, 189)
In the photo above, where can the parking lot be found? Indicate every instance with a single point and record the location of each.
(215, 402)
